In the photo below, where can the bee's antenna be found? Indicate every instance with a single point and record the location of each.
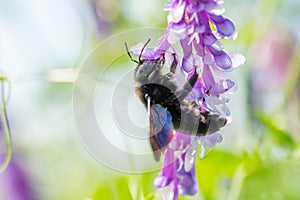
(143, 49)
(126, 47)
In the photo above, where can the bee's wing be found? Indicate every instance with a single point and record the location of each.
(161, 129)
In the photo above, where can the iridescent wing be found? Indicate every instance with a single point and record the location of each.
(161, 129)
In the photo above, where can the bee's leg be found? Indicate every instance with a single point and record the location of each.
(174, 64)
(193, 79)
(187, 87)
(167, 79)
(162, 59)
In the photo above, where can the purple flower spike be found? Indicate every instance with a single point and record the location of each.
(174, 173)
(198, 25)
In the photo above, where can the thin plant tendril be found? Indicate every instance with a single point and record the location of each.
(5, 124)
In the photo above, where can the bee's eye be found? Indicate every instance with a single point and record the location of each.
(156, 92)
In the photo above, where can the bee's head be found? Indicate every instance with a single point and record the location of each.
(145, 71)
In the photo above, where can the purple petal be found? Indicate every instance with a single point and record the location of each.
(209, 39)
(211, 140)
(194, 37)
(189, 160)
(187, 180)
(171, 192)
(188, 183)
(168, 172)
(168, 5)
(227, 113)
(190, 9)
(208, 142)
(208, 59)
(136, 49)
(182, 137)
(200, 29)
(216, 18)
(221, 86)
(214, 8)
(218, 46)
(207, 77)
(194, 2)
(186, 47)
(198, 63)
(223, 61)
(177, 13)
(196, 93)
(187, 64)
(225, 28)
(190, 29)
(176, 33)
(147, 54)
(182, 140)
(161, 181)
(199, 49)
(169, 160)
(163, 44)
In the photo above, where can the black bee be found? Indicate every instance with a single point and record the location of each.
(166, 105)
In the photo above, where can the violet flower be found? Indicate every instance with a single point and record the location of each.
(15, 183)
(197, 25)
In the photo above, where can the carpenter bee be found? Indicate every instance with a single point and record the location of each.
(166, 104)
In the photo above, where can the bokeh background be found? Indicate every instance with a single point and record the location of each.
(44, 43)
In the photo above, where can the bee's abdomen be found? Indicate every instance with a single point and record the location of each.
(192, 121)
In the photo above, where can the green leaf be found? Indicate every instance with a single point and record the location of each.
(281, 136)
(122, 188)
(147, 182)
(217, 166)
(103, 192)
(276, 181)
(114, 189)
